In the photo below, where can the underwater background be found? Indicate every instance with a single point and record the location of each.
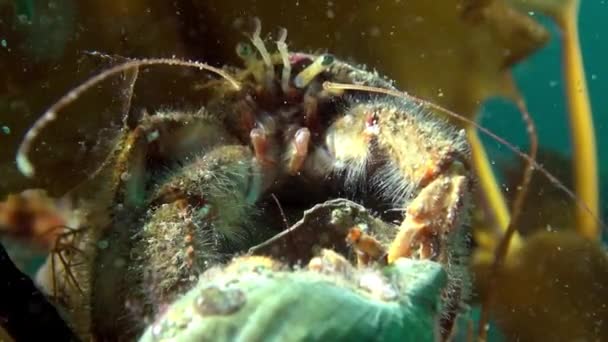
(540, 79)
(47, 47)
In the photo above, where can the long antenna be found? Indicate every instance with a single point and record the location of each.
(24, 164)
(283, 217)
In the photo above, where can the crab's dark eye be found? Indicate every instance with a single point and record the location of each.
(327, 60)
(244, 50)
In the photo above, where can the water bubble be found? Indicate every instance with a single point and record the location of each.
(215, 301)
(374, 31)
(152, 136)
(23, 19)
(103, 244)
(6, 130)
(125, 176)
(119, 262)
(159, 329)
(377, 286)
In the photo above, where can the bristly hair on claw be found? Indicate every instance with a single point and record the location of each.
(534, 165)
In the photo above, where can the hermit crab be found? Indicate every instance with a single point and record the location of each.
(184, 192)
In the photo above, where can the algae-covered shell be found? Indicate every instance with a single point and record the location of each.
(261, 303)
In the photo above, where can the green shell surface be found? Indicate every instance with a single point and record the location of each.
(397, 303)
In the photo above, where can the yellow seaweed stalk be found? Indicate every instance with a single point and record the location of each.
(523, 285)
(565, 14)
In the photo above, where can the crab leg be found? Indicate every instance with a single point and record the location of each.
(211, 197)
(430, 218)
(367, 247)
(422, 159)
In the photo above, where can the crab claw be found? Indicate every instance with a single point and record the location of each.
(431, 218)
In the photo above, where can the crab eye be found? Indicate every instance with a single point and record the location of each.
(327, 60)
(371, 119)
(371, 124)
(244, 50)
(309, 73)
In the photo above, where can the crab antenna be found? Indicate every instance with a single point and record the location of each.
(556, 182)
(282, 47)
(318, 66)
(24, 164)
(259, 44)
(276, 200)
(503, 245)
